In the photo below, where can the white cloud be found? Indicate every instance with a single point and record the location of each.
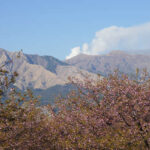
(75, 51)
(116, 38)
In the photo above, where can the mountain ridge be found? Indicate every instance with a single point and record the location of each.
(39, 72)
(106, 64)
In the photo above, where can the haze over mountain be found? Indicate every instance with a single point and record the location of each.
(106, 64)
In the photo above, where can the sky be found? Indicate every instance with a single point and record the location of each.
(65, 28)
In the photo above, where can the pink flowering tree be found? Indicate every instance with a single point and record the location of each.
(109, 113)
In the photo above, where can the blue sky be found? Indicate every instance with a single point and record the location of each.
(54, 27)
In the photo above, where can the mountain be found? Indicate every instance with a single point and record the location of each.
(106, 64)
(45, 75)
(48, 76)
(39, 72)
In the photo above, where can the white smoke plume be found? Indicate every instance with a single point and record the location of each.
(116, 38)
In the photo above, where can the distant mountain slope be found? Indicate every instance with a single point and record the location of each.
(48, 62)
(39, 72)
(106, 64)
(49, 95)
